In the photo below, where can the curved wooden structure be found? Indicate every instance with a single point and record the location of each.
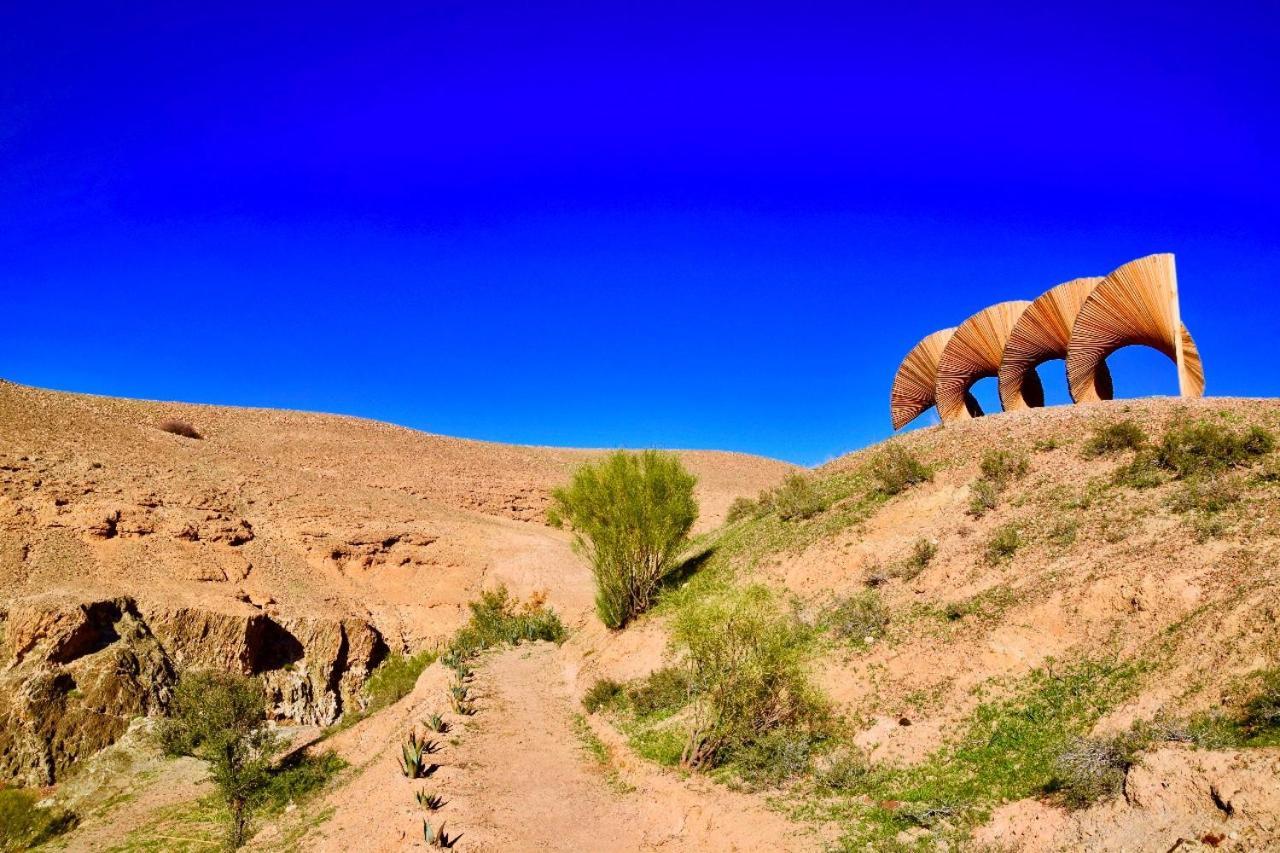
(912, 393)
(974, 352)
(1042, 334)
(1136, 304)
(1082, 321)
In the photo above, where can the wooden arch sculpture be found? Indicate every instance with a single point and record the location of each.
(1135, 304)
(1043, 333)
(974, 352)
(913, 385)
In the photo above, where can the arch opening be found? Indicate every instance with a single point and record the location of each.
(1139, 370)
(985, 391)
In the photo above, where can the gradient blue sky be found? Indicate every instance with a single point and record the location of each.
(672, 225)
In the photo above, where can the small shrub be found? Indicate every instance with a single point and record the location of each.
(741, 508)
(664, 690)
(797, 499)
(896, 469)
(1004, 543)
(746, 663)
(1093, 769)
(602, 694)
(843, 770)
(1206, 494)
(856, 617)
(777, 756)
(1109, 439)
(1207, 447)
(983, 498)
(875, 575)
(24, 825)
(630, 514)
(1001, 467)
(1044, 445)
(922, 554)
(497, 619)
(181, 428)
(1140, 473)
(300, 777)
(1262, 711)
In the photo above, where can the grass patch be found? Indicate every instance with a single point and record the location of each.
(603, 694)
(860, 618)
(1009, 750)
(24, 825)
(599, 753)
(1003, 544)
(1109, 439)
(390, 682)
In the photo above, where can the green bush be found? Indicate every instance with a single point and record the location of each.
(1206, 494)
(1261, 712)
(221, 717)
(299, 778)
(1113, 438)
(746, 663)
(797, 499)
(602, 694)
(630, 515)
(497, 619)
(1004, 543)
(1140, 473)
(1001, 467)
(895, 469)
(775, 757)
(1093, 769)
(664, 690)
(983, 498)
(741, 508)
(24, 825)
(856, 617)
(1191, 449)
(842, 770)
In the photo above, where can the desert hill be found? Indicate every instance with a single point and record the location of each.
(968, 628)
(298, 546)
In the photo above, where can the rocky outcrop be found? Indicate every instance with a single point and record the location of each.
(77, 672)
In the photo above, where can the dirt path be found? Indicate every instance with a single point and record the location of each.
(517, 777)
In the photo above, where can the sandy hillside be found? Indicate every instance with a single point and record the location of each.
(299, 546)
(1085, 596)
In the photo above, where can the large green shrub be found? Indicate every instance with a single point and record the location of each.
(220, 717)
(630, 515)
(797, 498)
(745, 660)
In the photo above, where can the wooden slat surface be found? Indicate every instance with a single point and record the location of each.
(974, 352)
(1041, 334)
(912, 393)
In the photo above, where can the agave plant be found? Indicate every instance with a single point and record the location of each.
(451, 659)
(413, 756)
(430, 802)
(436, 724)
(458, 692)
(435, 837)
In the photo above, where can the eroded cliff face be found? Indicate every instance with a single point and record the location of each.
(76, 672)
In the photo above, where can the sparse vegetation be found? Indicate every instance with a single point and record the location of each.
(896, 469)
(630, 515)
(922, 553)
(797, 499)
(1001, 467)
(1207, 447)
(861, 618)
(181, 428)
(1108, 439)
(983, 498)
(664, 690)
(602, 694)
(1003, 544)
(220, 717)
(741, 508)
(25, 825)
(1091, 769)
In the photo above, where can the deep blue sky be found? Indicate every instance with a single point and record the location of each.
(613, 225)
